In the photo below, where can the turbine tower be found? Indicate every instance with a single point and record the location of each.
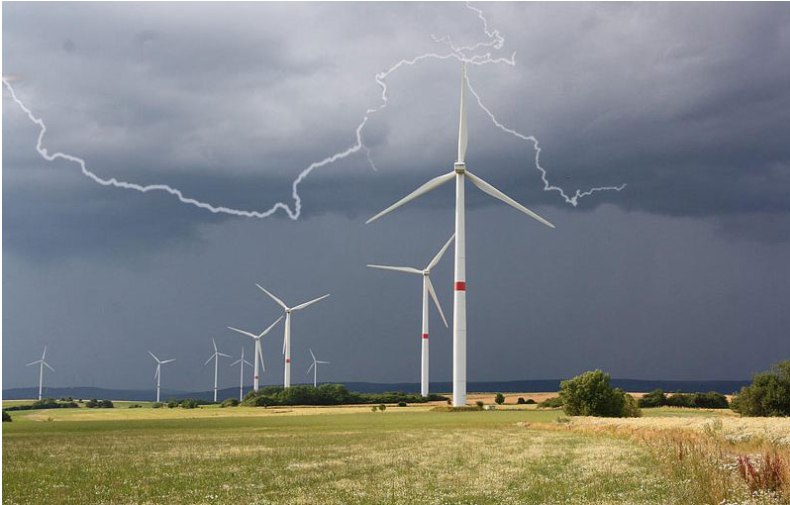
(241, 361)
(258, 350)
(314, 368)
(158, 374)
(287, 334)
(41, 364)
(215, 357)
(460, 174)
(427, 287)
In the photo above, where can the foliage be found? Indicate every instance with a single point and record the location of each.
(44, 403)
(157, 405)
(135, 406)
(402, 404)
(99, 404)
(655, 398)
(189, 404)
(530, 401)
(327, 394)
(229, 402)
(6, 417)
(499, 399)
(767, 395)
(479, 404)
(711, 400)
(590, 394)
(521, 401)
(551, 403)
(382, 407)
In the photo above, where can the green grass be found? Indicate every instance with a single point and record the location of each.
(399, 456)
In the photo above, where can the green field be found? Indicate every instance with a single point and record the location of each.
(321, 456)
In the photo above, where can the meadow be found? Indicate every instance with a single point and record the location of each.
(351, 455)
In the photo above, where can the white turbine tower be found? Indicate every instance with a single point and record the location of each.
(427, 288)
(258, 350)
(158, 374)
(460, 174)
(314, 368)
(41, 364)
(287, 334)
(241, 361)
(215, 357)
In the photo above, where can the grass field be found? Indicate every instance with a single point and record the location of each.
(350, 455)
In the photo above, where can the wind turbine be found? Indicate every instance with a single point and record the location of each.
(41, 364)
(427, 287)
(215, 357)
(158, 374)
(258, 350)
(460, 174)
(314, 368)
(287, 335)
(241, 361)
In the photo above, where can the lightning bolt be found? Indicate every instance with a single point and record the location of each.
(468, 54)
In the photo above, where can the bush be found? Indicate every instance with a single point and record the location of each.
(521, 401)
(328, 394)
(98, 404)
(135, 406)
(106, 404)
(551, 403)
(479, 404)
(382, 407)
(374, 408)
(768, 394)
(229, 402)
(631, 407)
(530, 401)
(189, 404)
(172, 404)
(499, 399)
(590, 394)
(6, 417)
(402, 404)
(157, 405)
(655, 398)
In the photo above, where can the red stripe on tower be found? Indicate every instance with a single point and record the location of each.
(460, 286)
(287, 360)
(425, 336)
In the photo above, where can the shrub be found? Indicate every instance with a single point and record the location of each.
(6, 417)
(189, 404)
(157, 405)
(229, 402)
(382, 407)
(172, 404)
(521, 401)
(655, 398)
(631, 407)
(479, 404)
(711, 400)
(551, 403)
(99, 404)
(499, 399)
(590, 394)
(106, 404)
(374, 408)
(328, 394)
(768, 394)
(530, 401)
(135, 406)
(402, 404)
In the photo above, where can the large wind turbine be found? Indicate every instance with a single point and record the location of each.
(258, 350)
(215, 357)
(427, 287)
(460, 174)
(158, 374)
(287, 335)
(241, 361)
(314, 368)
(41, 364)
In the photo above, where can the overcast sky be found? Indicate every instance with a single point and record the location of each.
(685, 274)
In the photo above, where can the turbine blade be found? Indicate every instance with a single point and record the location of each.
(311, 354)
(307, 304)
(250, 364)
(279, 302)
(260, 357)
(270, 327)
(214, 343)
(242, 332)
(209, 359)
(168, 361)
(428, 186)
(408, 270)
(44, 354)
(284, 343)
(436, 301)
(492, 191)
(224, 355)
(235, 362)
(323, 362)
(153, 356)
(47, 365)
(463, 134)
(311, 367)
(34, 362)
(439, 255)
(156, 374)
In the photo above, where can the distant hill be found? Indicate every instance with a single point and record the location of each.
(523, 386)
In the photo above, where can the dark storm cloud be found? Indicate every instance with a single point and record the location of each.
(689, 104)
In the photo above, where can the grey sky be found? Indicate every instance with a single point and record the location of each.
(683, 275)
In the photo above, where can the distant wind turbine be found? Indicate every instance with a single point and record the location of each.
(460, 174)
(158, 374)
(314, 368)
(427, 288)
(41, 364)
(287, 335)
(241, 361)
(258, 350)
(215, 357)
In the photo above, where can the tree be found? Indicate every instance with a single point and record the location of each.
(655, 398)
(590, 394)
(6, 417)
(768, 394)
(499, 399)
